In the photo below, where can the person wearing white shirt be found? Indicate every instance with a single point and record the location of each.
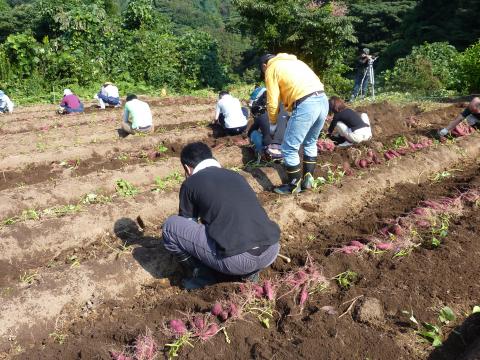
(137, 116)
(108, 95)
(6, 105)
(230, 114)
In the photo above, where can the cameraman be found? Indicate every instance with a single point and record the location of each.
(362, 77)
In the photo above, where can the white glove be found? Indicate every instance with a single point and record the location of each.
(273, 128)
(443, 132)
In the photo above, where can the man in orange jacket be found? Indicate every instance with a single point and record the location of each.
(292, 82)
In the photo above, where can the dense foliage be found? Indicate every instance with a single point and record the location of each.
(424, 46)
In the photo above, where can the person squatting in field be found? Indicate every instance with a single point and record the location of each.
(6, 105)
(471, 114)
(108, 96)
(230, 114)
(348, 127)
(292, 82)
(137, 116)
(221, 227)
(266, 142)
(70, 104)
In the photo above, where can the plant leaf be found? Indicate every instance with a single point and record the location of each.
(446, 315)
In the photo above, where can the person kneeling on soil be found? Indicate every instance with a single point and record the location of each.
(108, 95)
(140, 114)
(70, 104)
(266, 139)
(230, 114)
(348, 127)
(6, 105)
(471, 114)
(222, 232)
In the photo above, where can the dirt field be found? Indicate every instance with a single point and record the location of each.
(78, 279)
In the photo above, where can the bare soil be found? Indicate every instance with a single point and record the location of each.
(79, 285)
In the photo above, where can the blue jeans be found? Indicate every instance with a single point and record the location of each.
(108, 99)
(256, 139)
(304, 128)
(185, 237)
(358, 82)
(69, 110)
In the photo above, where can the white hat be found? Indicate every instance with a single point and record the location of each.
(67, 92)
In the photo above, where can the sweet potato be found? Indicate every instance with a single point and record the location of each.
(178, 327)
(216, 309)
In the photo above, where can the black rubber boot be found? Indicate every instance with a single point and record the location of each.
(309, 163)
(293, 186)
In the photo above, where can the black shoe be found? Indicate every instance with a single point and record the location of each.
(309, 164)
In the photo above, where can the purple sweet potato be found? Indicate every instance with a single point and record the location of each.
(178, 326)
(268, 290)
(216, 309)
(211, 331)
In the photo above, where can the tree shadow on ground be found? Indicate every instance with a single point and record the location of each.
(463, 342)
(148, 250)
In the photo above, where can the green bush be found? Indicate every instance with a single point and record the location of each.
(428, 68)
(470, 68)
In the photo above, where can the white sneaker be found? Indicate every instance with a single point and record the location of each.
(345, 144)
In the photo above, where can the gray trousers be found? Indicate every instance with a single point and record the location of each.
(185, 237)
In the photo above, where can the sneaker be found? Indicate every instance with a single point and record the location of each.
(201, 276)
(345, 144)
(253, 277)
(288, 189)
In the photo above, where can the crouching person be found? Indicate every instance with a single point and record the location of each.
(348, 127)
(71, 103)
(108, 96)
(6, 105)
(267, 139)
(230, 114)
(471, 114)
(137, 116)
(222, 231)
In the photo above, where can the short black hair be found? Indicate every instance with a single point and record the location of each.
(223, 92)
(194, 153)
(265, 59)
(131, 97)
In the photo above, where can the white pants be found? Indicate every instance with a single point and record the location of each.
(357, 136)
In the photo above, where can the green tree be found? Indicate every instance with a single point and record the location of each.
(318, 33)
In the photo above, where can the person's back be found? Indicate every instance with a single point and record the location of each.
(140, 113)
(289, 79)
(110, 91)
(6, 105)
(229, 209)
(231, 109)
(72, 101)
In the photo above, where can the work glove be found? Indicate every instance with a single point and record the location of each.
(273, 128)
(443, 132)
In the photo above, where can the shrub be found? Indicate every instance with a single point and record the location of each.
(470, 68)
(429, 67)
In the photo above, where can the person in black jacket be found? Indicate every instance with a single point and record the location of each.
(348, 127)
(221, 225)
(262, 135)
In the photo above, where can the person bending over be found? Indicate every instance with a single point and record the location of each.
(292, 82)
(70, 104)
(221, 227)
(137, 116)
(6, 105)
(348, 127)
(266, 141)
(471, 114)
(230, 114)
(108, 96)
